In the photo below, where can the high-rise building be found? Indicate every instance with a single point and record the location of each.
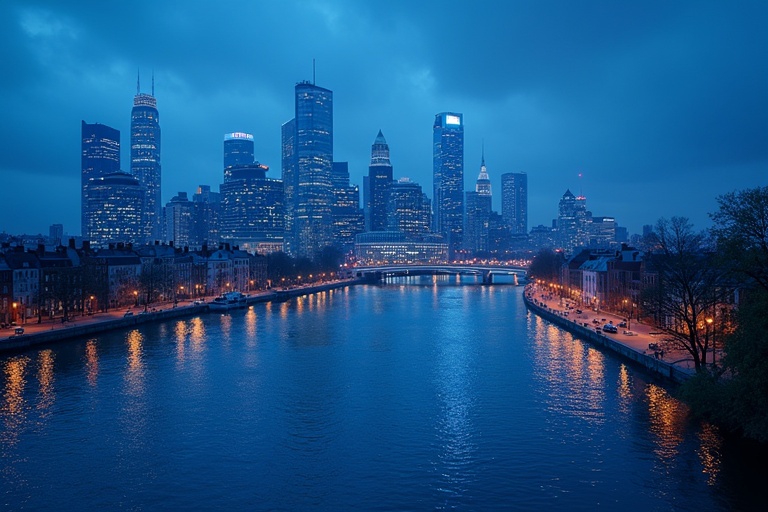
(307, 168)
(379, 181)
(252, 210)
(238, 150)
(100, 156)
(346, 213)
(145, 158)
(56, 234)
(572, 222)
(478, 212)
(408, 210)
(207, 213)
(448, 178)
(514, 202)
(179, 220)
(115, 209)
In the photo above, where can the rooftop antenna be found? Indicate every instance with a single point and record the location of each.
(313, 71)
(482, 159)
(153, 82)
(580, 191)
(138, 82)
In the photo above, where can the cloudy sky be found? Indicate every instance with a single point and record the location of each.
(659, 106)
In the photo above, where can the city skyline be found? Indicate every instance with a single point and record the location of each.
(659, 108)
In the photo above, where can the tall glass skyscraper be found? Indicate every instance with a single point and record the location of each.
(448, 178)
(307, 170)
(145, 158)
(514, 202)
(379, 181)
(100, 156)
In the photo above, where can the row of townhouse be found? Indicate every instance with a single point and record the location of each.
(68, 280)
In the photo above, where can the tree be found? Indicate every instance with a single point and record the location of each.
(546, 265)
(689, 288)
(741, 230)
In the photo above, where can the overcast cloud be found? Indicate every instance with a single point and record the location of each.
(661, 106)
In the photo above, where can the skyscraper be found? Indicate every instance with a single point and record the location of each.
(115, 209)
(238, 150)
(408, 210)
(478, 212)
(379, 181)
(100, 156)
(514, 202)
(448, 178)
(179, 220)
(252, 210)
(307, 169)
(572, 221)
(347, 216)
(145, 158)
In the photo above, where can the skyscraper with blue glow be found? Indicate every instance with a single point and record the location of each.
(448, 178)
(307, 171)
(145, 159)
(379, 181)
(100, 156)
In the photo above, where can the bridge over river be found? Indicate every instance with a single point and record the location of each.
(380, 272)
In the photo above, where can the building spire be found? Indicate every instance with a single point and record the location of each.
(153, 82)
(482, 158)
(138, 81)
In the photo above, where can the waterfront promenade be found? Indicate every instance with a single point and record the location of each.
(675, 365)
(53, 331)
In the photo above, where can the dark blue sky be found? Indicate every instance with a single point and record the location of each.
(661, 106)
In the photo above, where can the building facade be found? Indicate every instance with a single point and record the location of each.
(514, 202)
(238, 150)
(116, 209)
(478, 213)
(379, 181)
(145, 159)
(448, 178)
(179, 220)
(408, 210)
(307, 169)
(572, 222)
(100, 155)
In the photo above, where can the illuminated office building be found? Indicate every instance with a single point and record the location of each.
(379, 181)
(238, 150)
(100, 155)
(145, 158)
(408, 210)
(115, 209)
(252, 210)
(179, 220)
(478, 213)
(448, 178)
(514, 202)
(307, 168)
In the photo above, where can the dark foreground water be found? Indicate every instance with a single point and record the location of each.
(421, 396)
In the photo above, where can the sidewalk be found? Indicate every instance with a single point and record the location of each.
(644, 339)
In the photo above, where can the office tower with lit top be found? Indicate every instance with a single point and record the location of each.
(448, 178)
(145, 158)
(514, 202)
(100, 155)
(379, 181)
(307, 167)
(238, 150)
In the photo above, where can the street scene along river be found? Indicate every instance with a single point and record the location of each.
(417, 394)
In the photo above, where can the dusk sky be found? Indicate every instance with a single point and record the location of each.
(660, 106)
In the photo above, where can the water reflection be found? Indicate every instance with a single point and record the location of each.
(710, 452)
(45, 377)
(14, 408)
(134, 375)
(667, 422)
(91, 363)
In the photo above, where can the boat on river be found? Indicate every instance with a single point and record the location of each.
(227, 301)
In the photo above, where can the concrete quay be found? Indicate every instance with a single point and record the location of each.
(56, 331)
(670, 365)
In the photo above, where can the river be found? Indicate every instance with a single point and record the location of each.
(419, 394)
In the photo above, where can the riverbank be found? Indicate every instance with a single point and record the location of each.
(50, 332)
(637, 347)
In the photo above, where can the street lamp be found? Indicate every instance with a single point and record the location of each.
(709, 321)
(136, 297)
(15, 305)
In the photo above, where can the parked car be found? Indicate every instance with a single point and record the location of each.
(622, 324)
(630, 333)
(128, 313)
(610, 328)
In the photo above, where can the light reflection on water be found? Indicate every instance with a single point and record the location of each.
(413, 395)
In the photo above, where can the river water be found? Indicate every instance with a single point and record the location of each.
(420, 394)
